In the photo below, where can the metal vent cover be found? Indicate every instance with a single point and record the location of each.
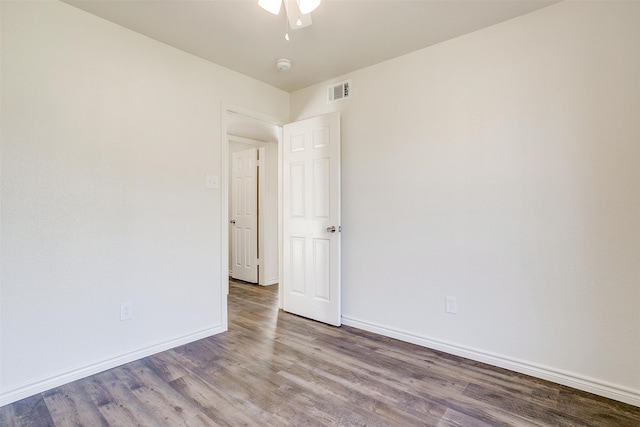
(339, 91)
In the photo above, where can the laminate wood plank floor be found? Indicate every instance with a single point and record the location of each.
(276, 369)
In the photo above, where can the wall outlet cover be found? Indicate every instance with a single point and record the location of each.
(125, 311)
(451, 305)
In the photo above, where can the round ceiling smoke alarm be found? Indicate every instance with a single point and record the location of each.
(283, 64)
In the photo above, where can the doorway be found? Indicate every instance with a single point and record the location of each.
(252, 198)
(307, 188)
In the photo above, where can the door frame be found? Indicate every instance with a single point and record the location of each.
(227, 108)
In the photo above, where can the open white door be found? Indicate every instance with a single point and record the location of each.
(244, 216)
(311, 218)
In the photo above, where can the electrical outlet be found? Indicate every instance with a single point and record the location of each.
(451, 305)
(125, 311)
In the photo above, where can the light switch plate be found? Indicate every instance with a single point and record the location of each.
(212, 182)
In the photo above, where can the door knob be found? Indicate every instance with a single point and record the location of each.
(331, 229)
(233, 221)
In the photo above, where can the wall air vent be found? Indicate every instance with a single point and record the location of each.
(339, 91)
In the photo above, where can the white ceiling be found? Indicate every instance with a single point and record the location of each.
(346, 35)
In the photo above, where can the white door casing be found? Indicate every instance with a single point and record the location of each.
(244, 216)
(311, 218)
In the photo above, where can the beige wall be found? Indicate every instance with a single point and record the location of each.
(107, 137)
(502, 168)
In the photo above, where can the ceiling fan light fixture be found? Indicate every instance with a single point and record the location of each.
(308, 6)
(272, 6)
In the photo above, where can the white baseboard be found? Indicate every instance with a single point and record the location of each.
(44, 384)
(271, 281)
(612, 391)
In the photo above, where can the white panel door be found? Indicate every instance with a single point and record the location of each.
(311, 218)
(244, 216)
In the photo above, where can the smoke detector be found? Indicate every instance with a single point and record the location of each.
(283, 64)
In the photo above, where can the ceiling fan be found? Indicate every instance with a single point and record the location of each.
(305, 6)
(297, 11)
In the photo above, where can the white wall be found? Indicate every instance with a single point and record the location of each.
(502, 168)
(107, 137)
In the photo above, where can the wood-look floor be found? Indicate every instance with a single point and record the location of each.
(273, 369)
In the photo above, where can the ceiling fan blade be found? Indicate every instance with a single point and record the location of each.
(308, 6)
(272, 6)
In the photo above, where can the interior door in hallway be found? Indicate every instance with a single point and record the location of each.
(311, 218)
(244, 218)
